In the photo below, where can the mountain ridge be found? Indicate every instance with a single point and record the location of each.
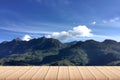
(49, 51)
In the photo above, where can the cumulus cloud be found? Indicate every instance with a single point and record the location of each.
(93, 23)
(26, 38)
(79, 31)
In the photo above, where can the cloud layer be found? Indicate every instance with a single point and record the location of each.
(79, 31)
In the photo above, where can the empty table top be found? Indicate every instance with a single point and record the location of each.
(59, 73)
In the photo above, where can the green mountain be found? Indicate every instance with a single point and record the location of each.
(49, 51)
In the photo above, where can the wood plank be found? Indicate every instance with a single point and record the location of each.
(74, 73)
(97, 74)
(59, 73)
(9, 72)
(4, 69)
(86, 75)
(17, 74)
(52, 73)
(107, 73)
(113, 70)
(63, 73)
(40, 75)
(31, 72)
(117, 67)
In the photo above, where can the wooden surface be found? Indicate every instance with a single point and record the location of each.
(59, 73)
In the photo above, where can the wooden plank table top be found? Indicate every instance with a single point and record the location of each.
(59, 73)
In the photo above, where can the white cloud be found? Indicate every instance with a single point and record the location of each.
(104, 21)
(26, 38)
(94, 22)
(113, 20)
(33, 27)
(26, 30)
(79, 31)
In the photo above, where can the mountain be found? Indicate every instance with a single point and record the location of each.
(17, 46)
(49, 51)
(70, 43)
(17, 52)
(100, 53)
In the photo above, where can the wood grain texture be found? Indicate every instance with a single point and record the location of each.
(42, 72)
(114, 71)
(8, 72)
(74, 73)
(97, 74)
(52, 73)
(86, 74)
(63, 73)
(108, 73)
(28, 75)
(59, 73)
(18, 73)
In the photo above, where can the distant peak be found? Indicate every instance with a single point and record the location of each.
(43, 37)
(109, 41)
(17, 39)
(4, 42)
(91, 40)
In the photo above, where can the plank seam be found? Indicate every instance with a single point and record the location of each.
(46, 73)
(6, 70)
(80, 73)
(102, 73)
(112, 72)
(117, 69)
(68, 73)
(25, 72)
(91, 73)
(10, 74)
(35, 73)
(57, 72)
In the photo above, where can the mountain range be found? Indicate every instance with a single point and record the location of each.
(49, 51)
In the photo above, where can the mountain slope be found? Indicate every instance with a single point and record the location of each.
(48, 51)
(17, 52)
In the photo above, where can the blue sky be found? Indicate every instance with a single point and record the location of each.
(66, 20)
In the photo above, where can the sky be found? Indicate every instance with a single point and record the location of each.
(65, 20)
